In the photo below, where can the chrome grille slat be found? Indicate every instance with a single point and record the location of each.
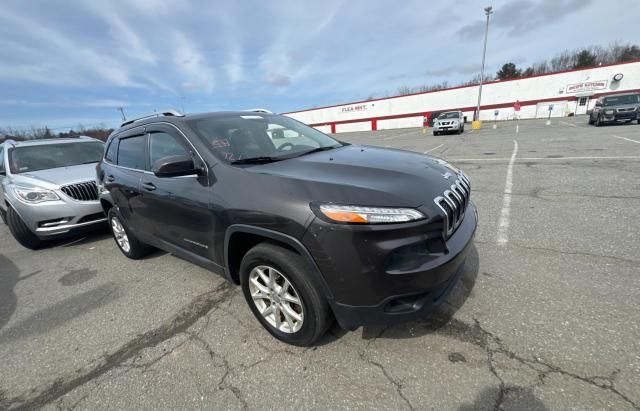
(87, 191)
(454, 202)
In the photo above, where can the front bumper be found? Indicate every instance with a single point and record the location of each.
(447, 127)
(53, 218)
(383, 274)
(622, 116)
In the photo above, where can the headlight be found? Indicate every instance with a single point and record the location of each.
(367, 215)
(34, 194)
(608, 112)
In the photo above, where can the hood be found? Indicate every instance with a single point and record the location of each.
(366, 175)
(56, 177)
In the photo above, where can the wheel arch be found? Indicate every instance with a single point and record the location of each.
(240, 238)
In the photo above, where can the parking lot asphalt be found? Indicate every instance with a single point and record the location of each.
(544, 317)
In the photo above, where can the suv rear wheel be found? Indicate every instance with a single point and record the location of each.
(276, 283)
(127, 242)
(21, 232)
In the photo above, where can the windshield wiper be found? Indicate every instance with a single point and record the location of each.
(316, 150)
(256, 160)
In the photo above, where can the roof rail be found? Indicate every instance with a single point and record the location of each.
(260, 110)
(165, 113)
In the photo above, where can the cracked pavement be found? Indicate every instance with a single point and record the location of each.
(548, 321)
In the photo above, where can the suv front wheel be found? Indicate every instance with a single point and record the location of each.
(276, 283)
(21, 232)
(126, 241)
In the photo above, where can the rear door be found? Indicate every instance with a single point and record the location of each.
(176, 209)
(124, 173)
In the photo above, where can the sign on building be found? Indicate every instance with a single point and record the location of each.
(586, 86)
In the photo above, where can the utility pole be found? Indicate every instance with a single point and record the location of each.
(488, 11)
(121, 110)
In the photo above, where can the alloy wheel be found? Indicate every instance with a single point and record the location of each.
(276, 299)
(120, 234)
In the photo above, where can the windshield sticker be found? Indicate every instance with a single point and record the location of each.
(219, 143)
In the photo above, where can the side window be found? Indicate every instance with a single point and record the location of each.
(162, 145)
(1, 159)
(112, 151)
(131, 152)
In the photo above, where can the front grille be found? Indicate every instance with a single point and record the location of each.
(454, 202)
(624, 110)
(82, 191)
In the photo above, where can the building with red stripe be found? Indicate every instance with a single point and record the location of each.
(564, 93)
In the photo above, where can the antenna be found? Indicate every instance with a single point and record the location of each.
(124, 118)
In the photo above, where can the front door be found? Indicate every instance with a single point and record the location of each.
(176, 209)
(2, 175)
(582, 104)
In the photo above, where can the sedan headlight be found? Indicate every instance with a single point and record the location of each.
(608, 112)
(34, 194)
(366, 215)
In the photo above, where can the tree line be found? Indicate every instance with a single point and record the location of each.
(567, 60)
(32, 133)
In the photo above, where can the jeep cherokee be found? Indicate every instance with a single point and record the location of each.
(311, 228)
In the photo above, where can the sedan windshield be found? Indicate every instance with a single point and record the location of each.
(621, 100)
(449, 115)
(45, 156)
(259, 138)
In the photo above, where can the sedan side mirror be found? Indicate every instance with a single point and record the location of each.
(174, 166)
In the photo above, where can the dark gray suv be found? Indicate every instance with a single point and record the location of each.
(312, 228)
(616, 108)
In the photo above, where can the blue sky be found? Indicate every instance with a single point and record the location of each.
(64, 63)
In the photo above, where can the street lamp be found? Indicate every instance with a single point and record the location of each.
(488, 11)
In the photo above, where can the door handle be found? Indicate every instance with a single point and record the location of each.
(110, 178)
(148, 186)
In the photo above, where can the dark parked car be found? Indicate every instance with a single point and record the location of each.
(616, 108)
(312, 228)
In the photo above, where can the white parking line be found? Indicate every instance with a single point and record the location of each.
(628, 139)
(460, 160)
(435, 148)
(503, 224)
(567, 124)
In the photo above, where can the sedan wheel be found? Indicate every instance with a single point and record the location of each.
(276, 299)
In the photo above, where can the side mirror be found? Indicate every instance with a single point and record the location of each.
(174, 166)
(598, 104)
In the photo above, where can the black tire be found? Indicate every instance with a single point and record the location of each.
(3, 216)
(436, 133)
(590, 122)
(21, 232)
(598, 122)
(462, 129)
(639, 121)
(137, 249)
(317, 314)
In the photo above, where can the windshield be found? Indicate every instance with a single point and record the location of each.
(42, 157)
(453, 114)
(620, 100)
(238, 138)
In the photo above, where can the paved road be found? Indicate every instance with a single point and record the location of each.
(545, 316)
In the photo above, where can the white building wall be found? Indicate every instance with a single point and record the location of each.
(534, 93)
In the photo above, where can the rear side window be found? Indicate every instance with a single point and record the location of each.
(164, 145)
(112, 152)
(131, 152)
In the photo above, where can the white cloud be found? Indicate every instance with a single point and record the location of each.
(126, 39)
(197, 74)
(234, 66)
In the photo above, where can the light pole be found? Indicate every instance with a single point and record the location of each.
(488, 11)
